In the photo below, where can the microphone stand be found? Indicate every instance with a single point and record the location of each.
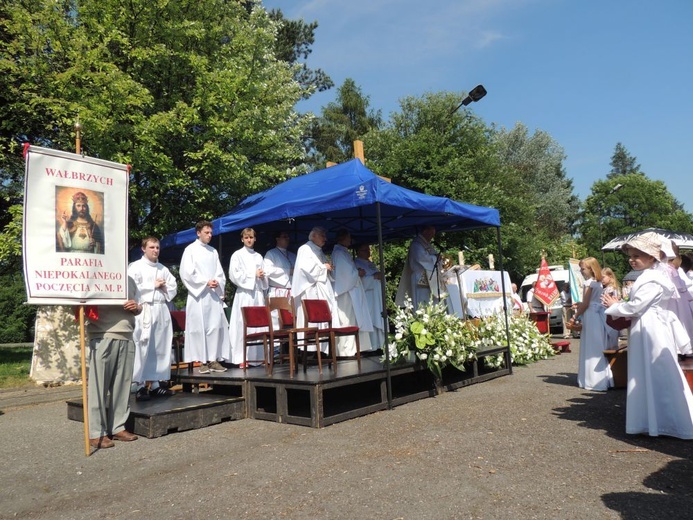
(435, 271)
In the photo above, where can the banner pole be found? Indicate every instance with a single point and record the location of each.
(82, 342)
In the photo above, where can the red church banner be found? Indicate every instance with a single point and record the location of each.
(75, 235)
(545, 290)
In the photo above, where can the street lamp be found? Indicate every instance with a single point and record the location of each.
(474, 95)
(601, 209)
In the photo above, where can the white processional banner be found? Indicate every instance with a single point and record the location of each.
(75, 235)
(483, 292)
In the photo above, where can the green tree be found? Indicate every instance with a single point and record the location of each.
(293, 45)
(190, 94)
(640, 203)
(538, 159)
(429, 147)
(341, 123)
(622, 162)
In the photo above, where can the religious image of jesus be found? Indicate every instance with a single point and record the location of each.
(77, 231)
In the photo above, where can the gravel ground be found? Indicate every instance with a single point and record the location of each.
(530, 445)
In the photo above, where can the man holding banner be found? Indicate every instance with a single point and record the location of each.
(65, 264)
(111, 360)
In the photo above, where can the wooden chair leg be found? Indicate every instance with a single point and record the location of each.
(292, 361)
(318, 352)
(358, 350)
(269, 353)
(333, 351)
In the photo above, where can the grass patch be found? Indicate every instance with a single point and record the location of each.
(15, 364)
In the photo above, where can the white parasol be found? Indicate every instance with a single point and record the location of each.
(683, 240)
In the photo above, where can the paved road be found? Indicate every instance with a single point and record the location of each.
(531, 445)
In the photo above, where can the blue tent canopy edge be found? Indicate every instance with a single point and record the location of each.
(347, 195)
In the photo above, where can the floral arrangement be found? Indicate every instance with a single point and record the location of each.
(439, 339)
(527, 344)
(432, 335)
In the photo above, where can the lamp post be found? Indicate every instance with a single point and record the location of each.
(601, 210)
(474, 95)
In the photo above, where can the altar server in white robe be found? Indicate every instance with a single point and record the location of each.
(659, 400)
(206, 327)
(352, 306)
(372, 285)
(247, 273)
(420, 270)
(279, 267)
(313, 276)
(153, 334)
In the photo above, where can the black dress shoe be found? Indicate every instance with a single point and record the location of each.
(142, 394)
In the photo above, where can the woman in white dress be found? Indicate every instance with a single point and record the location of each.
(659, 400)
(594, 372)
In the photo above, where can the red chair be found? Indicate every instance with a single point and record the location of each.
(317, 312)
(258, 317)
(541, 319)
(287, 334)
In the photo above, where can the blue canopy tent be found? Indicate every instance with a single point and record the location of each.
(347, 195)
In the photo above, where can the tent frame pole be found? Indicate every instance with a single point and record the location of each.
(383, 290)
(505, 301)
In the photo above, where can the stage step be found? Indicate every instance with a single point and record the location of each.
(180, 412)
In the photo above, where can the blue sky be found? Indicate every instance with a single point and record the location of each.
(590, 73)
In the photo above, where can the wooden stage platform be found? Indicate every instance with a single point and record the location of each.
(306, 399)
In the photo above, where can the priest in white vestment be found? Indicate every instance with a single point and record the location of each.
(421, 270)
(153, 334)
(352, 306)
(279, 267)
(206, 327)
(372, 282)
(247, 273)
(313, 276)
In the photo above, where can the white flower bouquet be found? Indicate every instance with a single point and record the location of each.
(435, 337)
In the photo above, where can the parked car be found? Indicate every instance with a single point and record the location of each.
(560, 275)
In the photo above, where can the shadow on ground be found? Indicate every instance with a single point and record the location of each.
(671, 487)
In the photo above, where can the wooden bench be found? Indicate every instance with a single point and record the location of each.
(618, 361)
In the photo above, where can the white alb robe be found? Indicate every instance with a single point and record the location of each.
(374, 297)
(352, 306)
(153, 334)
(312, 280)
(279, 265)
(206, 327)
(659, 400)
(250, 291)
